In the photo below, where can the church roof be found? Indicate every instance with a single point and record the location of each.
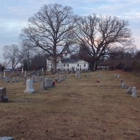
(69, 60)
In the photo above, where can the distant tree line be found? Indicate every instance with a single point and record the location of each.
(55, 28)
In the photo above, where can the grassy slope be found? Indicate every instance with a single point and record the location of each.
(74, 109)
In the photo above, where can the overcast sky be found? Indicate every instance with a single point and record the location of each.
(14, 15)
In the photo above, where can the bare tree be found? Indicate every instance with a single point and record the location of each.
(12, 54)
(27, 53)
(51, 30)
(96, 34)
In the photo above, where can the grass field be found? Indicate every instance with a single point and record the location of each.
(75, 109)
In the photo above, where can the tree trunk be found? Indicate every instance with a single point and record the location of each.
(94, 66)
(54, 66)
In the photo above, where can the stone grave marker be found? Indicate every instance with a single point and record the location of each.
(51, 82)
(76, 73)
(118, 76)
(123, 85)
(29, 86)
(22, 70)
(36, 79)
(15, 80)
(3, 97)
(56, 80)
(47, 83)
(33, 78)
(62, 79)
(7, 79)
(121, 81)
(25, 74)
(24, 80)
(43, 84)
(79, 75)
(0, 76)
(129, 90)
(115, 75)
(59, 80)
(134, 94)
(100, 77)
(4, 74)
(6, 138)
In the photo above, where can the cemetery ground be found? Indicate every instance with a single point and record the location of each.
(75, 109)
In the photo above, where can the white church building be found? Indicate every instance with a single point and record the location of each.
(66, 63)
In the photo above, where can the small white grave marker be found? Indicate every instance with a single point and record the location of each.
(134, 92)
(29, 86)
(129, 90)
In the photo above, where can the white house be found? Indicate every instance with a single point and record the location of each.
(66, 63)
(70, 64)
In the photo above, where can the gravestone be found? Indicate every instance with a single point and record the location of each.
(18, 78)
(121, 81)
(7, 79)
(47, 83)
(85, 75)
(118, 76)
(4, 74)
(36, 79)
(3, 97)
(123, 85)
(100, 77)
(79, 75)
(129, 90)
(22, 70)
(65, 77)
(62, 79)
(29, 86)
(40, 79)
(25, 74)
(15, 80)
(51, 82)
(6, 138)
(76, 73)
(56, 80)
(115, 75)
(24, 80)
(59, 80)
(134, 92)
(0, 76)
(33, 78)
(43, 85)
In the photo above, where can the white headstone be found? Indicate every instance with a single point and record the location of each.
(0, 76)
(76, 73)
(134, 92)
(123, 85)
(6, 138)
(33, 78)
(43, 84)
(25, 74)
(47, 83)
(24, 80)
(4, 74)
(115, 75)
(22, 70)
(79, 75)
(129, 90)
(7, 79)
(29, 86)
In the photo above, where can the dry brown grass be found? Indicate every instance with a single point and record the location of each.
(76, 109)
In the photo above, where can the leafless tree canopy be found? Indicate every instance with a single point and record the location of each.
(12, 54)
(96, 34)
(50, 29)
